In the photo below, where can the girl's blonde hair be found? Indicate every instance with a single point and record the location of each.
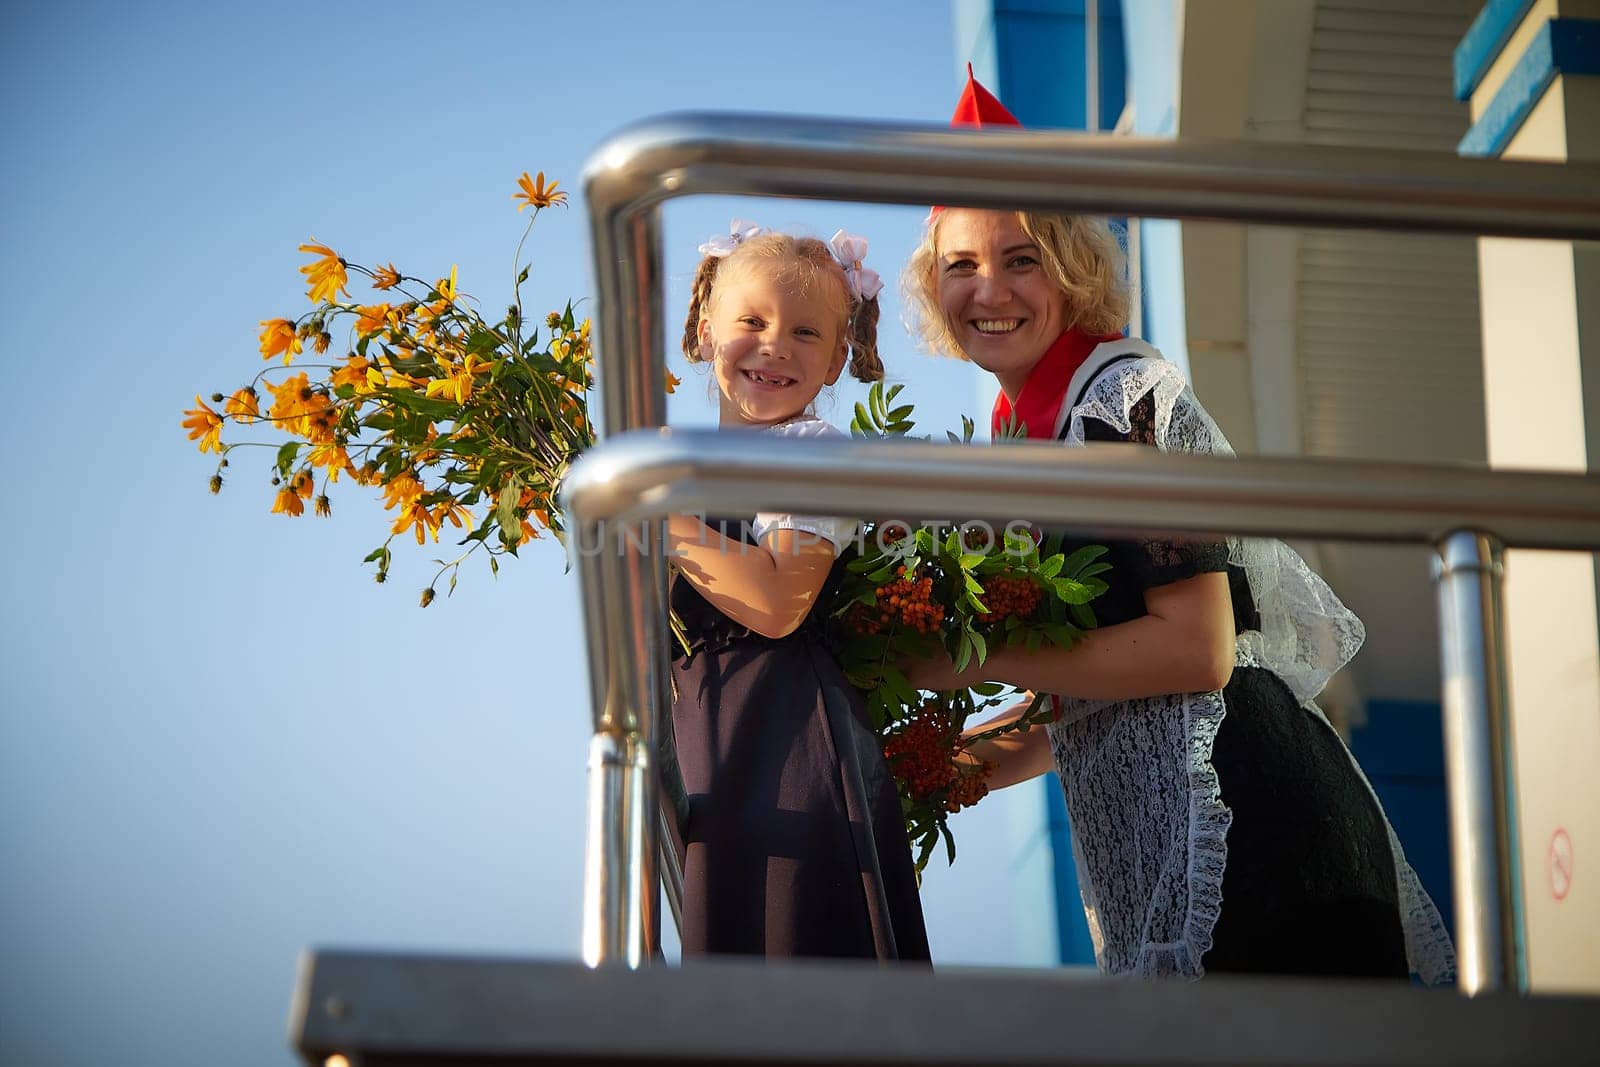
(803, 261)
(1081, 255)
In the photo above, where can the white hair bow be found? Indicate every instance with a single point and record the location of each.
(739, 230)
(850, 249)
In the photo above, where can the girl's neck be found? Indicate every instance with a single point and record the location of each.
(731, 421)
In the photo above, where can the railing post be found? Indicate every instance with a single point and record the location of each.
(1469, 572)
(603, 905)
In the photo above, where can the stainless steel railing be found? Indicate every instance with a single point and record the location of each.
(1467, 515)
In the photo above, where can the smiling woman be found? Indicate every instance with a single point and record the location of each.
(1220, 823)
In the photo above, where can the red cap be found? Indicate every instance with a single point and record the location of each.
(978, 107)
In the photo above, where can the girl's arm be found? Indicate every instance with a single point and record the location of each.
(1017, 756)
(768, 587)
(1184, 645)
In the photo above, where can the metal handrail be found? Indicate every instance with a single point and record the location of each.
(1111, 490)
(624, 593)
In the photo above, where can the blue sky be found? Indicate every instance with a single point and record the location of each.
(219, 740)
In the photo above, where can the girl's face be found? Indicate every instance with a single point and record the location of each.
(1002, 308)
(774, 345)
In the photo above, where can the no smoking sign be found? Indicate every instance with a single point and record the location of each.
(1559, 862)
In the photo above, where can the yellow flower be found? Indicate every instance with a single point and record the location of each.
(324, 506)
(385, 277)
(373, 317)
(457, 386)
(286, 503)
(403, 490)
(673, 381)
(331, 456)
(459, 516)
(353, 374)
(291, 403)
(326, 277)
(535, 193)
(301, 484)
(446, 287)
(416, 515)
(205, 426)
(278, 335)
(242, 406)
(321, 341)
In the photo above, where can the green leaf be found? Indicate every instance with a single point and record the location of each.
(971, 560)
(899, 686)
(1084, 615)
(1035, 640)
(863, 419)
(963, 654)
(286, 454)
(875, 397)
(988, 689)
(980, 646)
(506, 509)
(900, 413)
(522, 276)
(1052, 566)
(949, 843)
(893, 392)
(1071, 592)
(1082, 558)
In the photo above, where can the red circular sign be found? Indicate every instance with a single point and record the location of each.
(1560, 862)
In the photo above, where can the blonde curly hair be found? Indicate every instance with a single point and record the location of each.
(1081, 254)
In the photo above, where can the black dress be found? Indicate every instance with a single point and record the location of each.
(1309, 884)
(795, 845)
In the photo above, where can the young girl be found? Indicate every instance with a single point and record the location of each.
(794, 841)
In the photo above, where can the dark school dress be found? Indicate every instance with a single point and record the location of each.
(795, 845)
(1309, 883)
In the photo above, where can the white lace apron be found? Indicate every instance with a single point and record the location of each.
(1148, 822)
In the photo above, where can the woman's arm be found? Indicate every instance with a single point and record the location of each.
(1017, 756)
(1185, 644)
(768, 587)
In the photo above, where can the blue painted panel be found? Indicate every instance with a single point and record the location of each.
(1562, 46)
(1072, 929)
(1401, 738)
(1041, 46)
(1485, 38)
(1401, 748)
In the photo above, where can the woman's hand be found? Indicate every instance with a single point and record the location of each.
(936, 673)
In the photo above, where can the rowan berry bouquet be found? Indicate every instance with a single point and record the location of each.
(453, 419)
(957, 590)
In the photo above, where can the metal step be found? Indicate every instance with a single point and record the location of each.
(387, 1010)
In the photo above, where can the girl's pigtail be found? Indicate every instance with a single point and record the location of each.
(865, 366)
(699, 300)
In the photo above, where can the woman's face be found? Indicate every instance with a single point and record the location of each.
(1002, 308)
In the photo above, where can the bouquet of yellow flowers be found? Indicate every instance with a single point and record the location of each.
(454, 419)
